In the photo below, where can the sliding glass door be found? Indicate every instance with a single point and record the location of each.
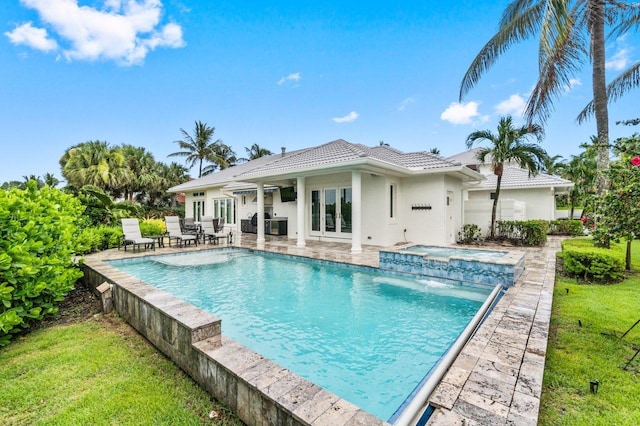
(331, 211)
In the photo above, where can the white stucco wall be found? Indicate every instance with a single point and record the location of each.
(540, 202)
(378, 227)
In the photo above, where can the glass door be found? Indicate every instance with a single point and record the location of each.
(331, 211)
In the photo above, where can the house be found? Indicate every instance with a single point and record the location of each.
(522, 197)
(338, 191)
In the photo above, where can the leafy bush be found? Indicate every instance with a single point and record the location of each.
(528, 233)
(572, 228)
(38, 237)
(582, 260)
(470, 234)
(98, 238)
(152, 227)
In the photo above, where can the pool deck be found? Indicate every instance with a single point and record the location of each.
(497, 378)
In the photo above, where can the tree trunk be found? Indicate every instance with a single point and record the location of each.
(495, 207)
(628, 258)
(596, 29)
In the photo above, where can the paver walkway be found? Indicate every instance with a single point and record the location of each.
(497, 379)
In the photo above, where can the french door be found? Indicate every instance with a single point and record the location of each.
(331, 211)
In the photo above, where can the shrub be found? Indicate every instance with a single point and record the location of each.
(592, 263)
(38, 237)
(528, 233)
(152, 227)
(571, 228)
(470, 234)
(98, 238)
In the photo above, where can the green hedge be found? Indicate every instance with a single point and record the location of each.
(98, 238)
(37, 243)
(527, 233)
(572, 228)
(592, 264)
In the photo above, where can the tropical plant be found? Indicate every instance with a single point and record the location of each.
(570, 34)
(94, 163)
(581, 170)
(509, 145)
(101, 209)
(621, 204)
(199, 148)
(38, 240)
(224, 157)
(255, 151)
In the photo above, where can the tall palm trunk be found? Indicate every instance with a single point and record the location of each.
(596, 25)
(495, 207)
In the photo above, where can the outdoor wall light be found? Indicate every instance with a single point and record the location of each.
(593, 386)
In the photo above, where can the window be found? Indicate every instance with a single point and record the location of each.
(198, 206)
(392, 200)
(225, 207)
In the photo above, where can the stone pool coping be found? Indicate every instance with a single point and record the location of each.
(496, 379)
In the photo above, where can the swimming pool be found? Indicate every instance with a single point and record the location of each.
(348, 329)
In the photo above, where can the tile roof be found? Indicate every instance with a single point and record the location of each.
(340, 151)
(515, 177)
(335, 153)
(468, 158)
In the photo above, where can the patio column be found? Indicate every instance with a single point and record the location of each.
(302, 191)
(356, 211)
(260, 212)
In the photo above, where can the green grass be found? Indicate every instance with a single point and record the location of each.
(98, 372)
(578, 354)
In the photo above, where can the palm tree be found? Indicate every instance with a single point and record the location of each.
(199, 148)
(94, 163)
(509, 145)
(143, 172)
(255, 151)
(51, 180)
(570, 34)
(554, 165)
(581, 170)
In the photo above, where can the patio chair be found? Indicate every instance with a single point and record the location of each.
(211, 230)
(175, 233)
(190, 226)
(133, 236)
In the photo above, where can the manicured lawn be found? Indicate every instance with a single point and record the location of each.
(577, 354)
(99, 372)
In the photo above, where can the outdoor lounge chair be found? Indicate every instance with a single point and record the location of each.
(133, 236)
(212, 232)
(175, 233)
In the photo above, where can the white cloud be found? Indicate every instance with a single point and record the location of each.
(406, 103)
(124, 31)
(619, 61)
(462, 113)
(36, 38)
(352, 116)
(573, 82)
(291, 79)
(513, 106)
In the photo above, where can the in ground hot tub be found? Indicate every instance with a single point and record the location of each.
(473, 266)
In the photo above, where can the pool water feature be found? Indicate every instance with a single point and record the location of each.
(448, 252)
(367, 336)
(470, 266)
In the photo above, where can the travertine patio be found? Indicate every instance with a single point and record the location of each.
(497, 378)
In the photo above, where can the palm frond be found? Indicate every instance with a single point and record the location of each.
(523, 23)
(629, 79)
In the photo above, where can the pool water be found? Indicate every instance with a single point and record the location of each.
(367, 336)
(452, 251)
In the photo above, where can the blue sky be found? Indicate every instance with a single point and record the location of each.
(286, 73)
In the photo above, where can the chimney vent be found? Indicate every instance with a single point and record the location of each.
(284, 150)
